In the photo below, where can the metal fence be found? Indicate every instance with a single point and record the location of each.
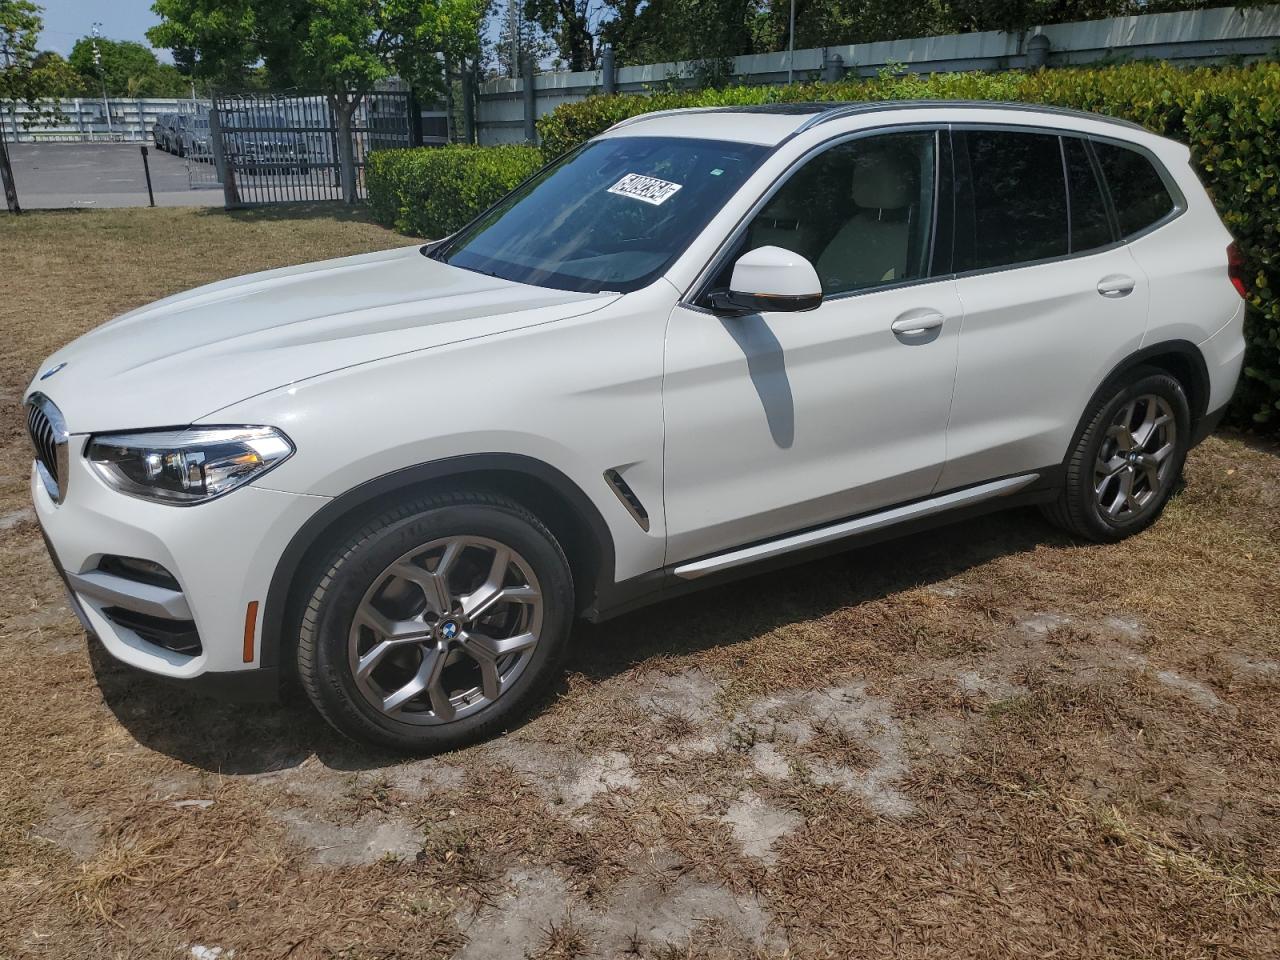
(279, 149)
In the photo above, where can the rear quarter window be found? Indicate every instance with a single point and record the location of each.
(1137, 189)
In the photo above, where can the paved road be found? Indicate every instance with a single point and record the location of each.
(52, 175)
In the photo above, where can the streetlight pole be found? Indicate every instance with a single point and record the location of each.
(97, 61)
(791, 44)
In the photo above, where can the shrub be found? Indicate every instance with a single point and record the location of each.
(432, 191)
(1228, 116)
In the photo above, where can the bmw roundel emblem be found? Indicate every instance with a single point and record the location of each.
(449, 629)
(52, 370)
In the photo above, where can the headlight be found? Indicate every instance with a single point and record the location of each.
(186, 466)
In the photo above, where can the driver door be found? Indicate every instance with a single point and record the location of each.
(776, 422)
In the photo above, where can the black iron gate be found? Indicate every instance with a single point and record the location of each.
(282, 149)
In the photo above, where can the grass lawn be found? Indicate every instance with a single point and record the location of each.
(983, 741)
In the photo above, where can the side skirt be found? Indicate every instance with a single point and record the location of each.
(889, 524)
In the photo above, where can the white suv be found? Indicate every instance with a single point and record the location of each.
(702, 342)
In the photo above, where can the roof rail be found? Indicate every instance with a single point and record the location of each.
(839, 109)
(823, 112)
(627, 121)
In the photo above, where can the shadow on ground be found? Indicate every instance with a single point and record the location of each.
(302, 210)
(257, 738)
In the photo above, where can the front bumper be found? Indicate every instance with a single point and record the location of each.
(222, 555)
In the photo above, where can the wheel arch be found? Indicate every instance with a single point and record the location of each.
(559, 502)
(1181, 359)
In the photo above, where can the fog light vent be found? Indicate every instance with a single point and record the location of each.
(177, 635)
(139, 571)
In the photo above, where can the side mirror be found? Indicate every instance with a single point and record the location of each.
(770, 279)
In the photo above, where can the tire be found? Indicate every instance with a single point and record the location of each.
(450, 678)
(1119, 477)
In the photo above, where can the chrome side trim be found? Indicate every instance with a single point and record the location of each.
(848, 528)
(130, 594)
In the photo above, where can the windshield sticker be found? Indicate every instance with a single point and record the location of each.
(649, 189)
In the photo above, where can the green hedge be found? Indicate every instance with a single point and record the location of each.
(431, 192)
(1229, 116)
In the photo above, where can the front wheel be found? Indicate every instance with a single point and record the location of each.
(437, 623)
(1127, 460)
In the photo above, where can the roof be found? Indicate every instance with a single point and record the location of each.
(774, 122)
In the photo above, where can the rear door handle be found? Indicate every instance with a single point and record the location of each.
(1116, 285)
(914, 326)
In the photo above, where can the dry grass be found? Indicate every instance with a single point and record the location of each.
(982, 741)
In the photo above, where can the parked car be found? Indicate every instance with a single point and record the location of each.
(263, 142)
(705, 343)
(193, 138)
(168, 130)
(157, 131)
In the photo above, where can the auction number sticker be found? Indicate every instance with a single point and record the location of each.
(649, 189)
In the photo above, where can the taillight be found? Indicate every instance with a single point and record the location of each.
(1236, 271)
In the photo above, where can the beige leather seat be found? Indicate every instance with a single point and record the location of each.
(872, 247)
(779, 225)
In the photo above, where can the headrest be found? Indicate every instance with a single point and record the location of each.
(881, 182)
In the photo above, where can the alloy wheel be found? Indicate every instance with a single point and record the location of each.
(445, 630)
(1134, 463)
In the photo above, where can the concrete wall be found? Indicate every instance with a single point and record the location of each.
(1196, 36)
(86, 119)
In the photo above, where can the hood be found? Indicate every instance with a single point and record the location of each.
(179, 359)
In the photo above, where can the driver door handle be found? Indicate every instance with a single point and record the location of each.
(1116, 285)
(913, 325)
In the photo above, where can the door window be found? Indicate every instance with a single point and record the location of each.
(1090, 223)
(1019, 199)
(861, 212)
(1137, 191)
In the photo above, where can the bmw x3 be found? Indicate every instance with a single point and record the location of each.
(703, 343)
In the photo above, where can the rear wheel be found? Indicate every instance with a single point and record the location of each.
(1127, 460)
(437, 623)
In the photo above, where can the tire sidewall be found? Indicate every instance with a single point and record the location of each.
(1146, 382)
(354, 568)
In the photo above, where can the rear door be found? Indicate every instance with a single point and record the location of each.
(1052, 299)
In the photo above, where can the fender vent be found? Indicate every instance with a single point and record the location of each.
(628, 497)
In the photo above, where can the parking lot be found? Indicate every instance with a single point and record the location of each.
(983, 741)
(97, 175)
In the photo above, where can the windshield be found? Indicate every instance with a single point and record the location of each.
(610, 216)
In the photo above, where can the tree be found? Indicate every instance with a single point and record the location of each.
(20, 24)
(569, 24)
(55, 76)
(211, 40)
(703, 31)
(333, 46)
(127, 69)
(531, 41)
(24, 77)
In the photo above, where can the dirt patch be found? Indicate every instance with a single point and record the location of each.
(541, 915)
(368, 840)
(758, 826)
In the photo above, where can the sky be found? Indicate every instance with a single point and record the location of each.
(66, 21)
